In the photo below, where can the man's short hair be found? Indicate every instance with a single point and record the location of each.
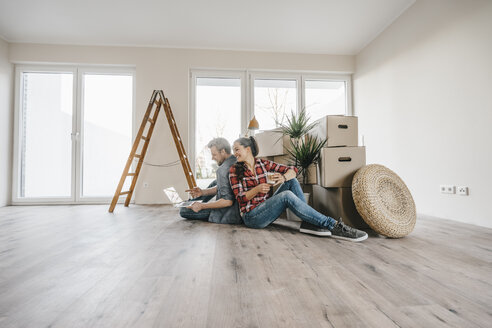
(220, 143)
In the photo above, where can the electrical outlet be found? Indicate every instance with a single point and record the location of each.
(463, 191)
(447, 189)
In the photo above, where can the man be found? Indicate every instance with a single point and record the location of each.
(225, 208)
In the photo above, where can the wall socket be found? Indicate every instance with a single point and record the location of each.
(463, 191)
(447, 189)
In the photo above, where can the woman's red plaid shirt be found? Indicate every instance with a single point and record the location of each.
(250, 181)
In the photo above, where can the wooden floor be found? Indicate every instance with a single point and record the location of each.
(144, 266)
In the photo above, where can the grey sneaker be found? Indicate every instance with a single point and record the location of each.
(343, 231)
(312, 229)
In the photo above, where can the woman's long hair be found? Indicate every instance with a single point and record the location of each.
(250, 142)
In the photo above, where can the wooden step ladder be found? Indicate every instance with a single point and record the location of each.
(157, 101)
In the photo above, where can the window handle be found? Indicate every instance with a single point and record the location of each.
(75, 136)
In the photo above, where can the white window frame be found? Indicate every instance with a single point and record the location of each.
(80, 101)
(253, 75)
(301, 78)
(346, 78)
(76, 156)
(204, 73)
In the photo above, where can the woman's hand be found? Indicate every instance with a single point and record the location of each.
(263, 188)
(278, 178)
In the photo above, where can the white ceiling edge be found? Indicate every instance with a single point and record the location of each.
(172, 47)
(154, 46)
(385, 27)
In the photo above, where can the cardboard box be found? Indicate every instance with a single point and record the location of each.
(339, 164)
(268, 158)
(272, 143)
(338, 130)
(338, 203)
(283, 159)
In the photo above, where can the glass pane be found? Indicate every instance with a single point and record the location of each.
(218, 114)
(46, 127)
(107, 132)
(325, 98)
(274, 99)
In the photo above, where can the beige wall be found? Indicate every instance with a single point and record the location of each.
(423, 94)
(6, 83)
(168, 69)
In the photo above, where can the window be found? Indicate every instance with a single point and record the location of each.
(325, 98)
(45, 154)
(274, 99)
(217, 114)
(107, 107)
(222, 101)
(73, 132)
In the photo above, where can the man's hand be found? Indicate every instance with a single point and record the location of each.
(263, 188)
(195, 192)
(196, 207)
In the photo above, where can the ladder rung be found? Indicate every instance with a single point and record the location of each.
(144, 138)
(124, 192)
(137, 155)
(131, 174)
(151, 121)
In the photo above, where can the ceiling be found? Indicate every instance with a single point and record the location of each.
(311, 26)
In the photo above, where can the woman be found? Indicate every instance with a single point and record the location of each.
(248, 178)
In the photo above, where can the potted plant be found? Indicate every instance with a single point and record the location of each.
(305, 155)
(304, 149)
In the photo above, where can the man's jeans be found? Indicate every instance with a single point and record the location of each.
(188, 213)
(289, 195)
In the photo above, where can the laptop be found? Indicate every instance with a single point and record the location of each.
(174, 197)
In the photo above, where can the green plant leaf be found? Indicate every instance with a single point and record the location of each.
(305, 152)
(297, 125)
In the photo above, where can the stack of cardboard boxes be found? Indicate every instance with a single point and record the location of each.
(339, 160)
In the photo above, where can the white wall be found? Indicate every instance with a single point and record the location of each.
(168, 69)
(6, 78)
(423, 94)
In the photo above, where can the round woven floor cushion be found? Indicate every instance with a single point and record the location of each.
(384, 201)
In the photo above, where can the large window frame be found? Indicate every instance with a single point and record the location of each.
(346, 78)
(194, 75)
(78, 72)
(254, 75)
(247, 92)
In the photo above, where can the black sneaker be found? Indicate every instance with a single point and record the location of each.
(343, 231)
(312, 229)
